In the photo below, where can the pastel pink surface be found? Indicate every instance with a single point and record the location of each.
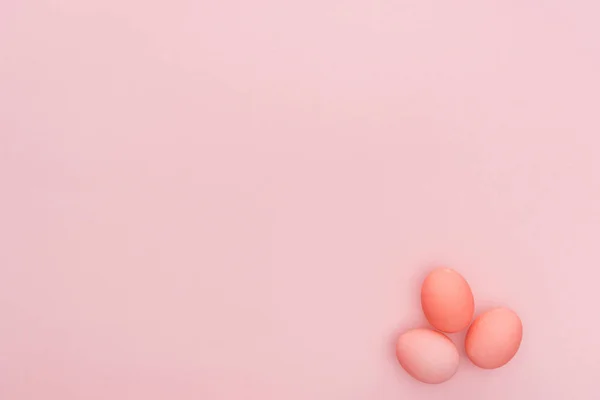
(235, 199)
(427, 355)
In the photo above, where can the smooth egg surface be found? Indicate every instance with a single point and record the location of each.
(447, 300)
(427, 355)
(494, 338)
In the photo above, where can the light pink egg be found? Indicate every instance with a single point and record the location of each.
(427, 355)
(447, 300)
(494, 338)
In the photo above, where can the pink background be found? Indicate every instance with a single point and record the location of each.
(238, 199)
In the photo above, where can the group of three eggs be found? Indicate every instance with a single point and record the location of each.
(430, 356)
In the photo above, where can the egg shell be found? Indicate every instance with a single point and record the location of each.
(447, 300)
(427, 355)
(494, 338)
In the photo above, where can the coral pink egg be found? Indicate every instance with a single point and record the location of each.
(494, 338)
(447, 300)
(427, 355)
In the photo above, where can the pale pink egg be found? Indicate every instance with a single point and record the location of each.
(447, 300)
(427, 355)
(494, 338)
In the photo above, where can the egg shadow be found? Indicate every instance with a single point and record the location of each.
(458, 339)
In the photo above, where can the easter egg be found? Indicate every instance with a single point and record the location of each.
(494, 338)
(447, 300)
(427, 355)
